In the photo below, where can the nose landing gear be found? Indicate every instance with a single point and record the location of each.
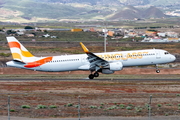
(157, 70)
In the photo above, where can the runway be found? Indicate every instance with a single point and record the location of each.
(49, 79)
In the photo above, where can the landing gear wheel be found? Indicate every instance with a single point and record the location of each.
(91, 76)
(96, 74)
(157, 71)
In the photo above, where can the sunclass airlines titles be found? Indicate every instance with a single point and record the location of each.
(120, 56)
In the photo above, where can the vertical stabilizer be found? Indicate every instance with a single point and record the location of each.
(19, 52)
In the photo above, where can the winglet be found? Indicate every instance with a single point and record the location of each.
(84, 48)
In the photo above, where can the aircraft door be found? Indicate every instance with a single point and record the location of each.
(158, 54)
(124, 57)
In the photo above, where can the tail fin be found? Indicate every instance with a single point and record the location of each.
(19, 52)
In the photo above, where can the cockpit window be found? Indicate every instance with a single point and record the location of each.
(166, 53)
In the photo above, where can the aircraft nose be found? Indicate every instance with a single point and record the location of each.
(8, 63)
(173, 58)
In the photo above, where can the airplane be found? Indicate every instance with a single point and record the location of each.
(105, 63)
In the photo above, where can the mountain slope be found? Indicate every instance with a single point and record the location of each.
(90, 2)
(78, 9)
(43, 10)
(128, 12)
(131, 13)
(153, 12)
(123, 2)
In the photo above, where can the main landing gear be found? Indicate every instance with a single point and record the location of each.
(91, 76)
(157, 70)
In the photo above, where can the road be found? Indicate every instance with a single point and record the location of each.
(97, 118)
(48, 79)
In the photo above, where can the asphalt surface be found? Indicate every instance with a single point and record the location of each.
(49, 79)
(97, 118)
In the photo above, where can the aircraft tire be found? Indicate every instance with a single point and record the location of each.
(96, 74)
(91, 76)
(157, 71)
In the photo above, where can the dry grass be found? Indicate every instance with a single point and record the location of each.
(97, 98)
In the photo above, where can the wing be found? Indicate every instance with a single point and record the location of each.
(96, 63)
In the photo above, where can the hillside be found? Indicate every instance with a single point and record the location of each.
(55, 10)
(153, 12)
(130, 12)
(122, 2)
(43, 10)
(26, 10)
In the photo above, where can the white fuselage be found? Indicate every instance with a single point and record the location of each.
(80, 62)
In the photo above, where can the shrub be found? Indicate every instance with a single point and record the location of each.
(76, 106)
(69, 104)
(138, 109)
(41, 107)
(146, 105)
(159, 105)
(129, 107)
(102, 104)
(100, 107)
(93, 107)
(112, 107)
(25, 106)
(12, 110)
(122, 106)
(168, 104)
(52, 106)
(115, 103)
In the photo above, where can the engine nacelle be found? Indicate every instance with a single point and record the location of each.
(107, 71)
(116, 66)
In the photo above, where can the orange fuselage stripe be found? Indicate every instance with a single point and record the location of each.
(38, 63)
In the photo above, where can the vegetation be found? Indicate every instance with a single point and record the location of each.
(129, 107)
(159, 105)
(5, 54)
(93, 107)
(52, 106)
(28, 27)
(25, 106)
(122, 106)
(76, 106)
(69, 105)
(138, 109)
(12, 110)
(41, 106)
(45, 10)
(95, 97)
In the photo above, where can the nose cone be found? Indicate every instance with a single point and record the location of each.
(173, 58)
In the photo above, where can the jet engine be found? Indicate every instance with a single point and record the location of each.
(116, 66)
(107, 71)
